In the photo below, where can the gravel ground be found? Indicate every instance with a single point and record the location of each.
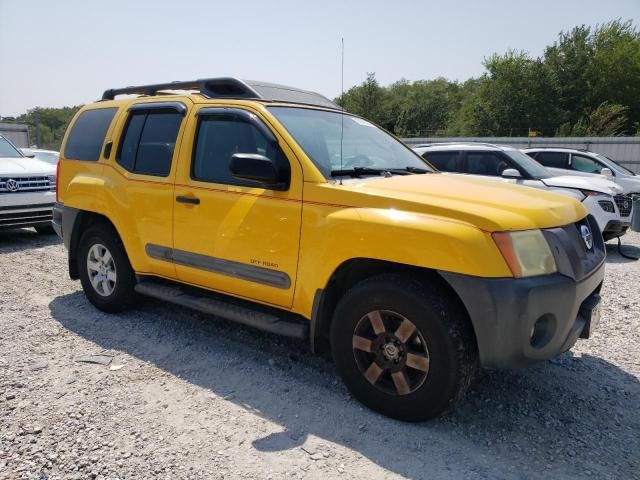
(182, 395)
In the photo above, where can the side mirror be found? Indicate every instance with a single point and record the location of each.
(606, 172)
(511, 173)
(27, 152)
(257, 168)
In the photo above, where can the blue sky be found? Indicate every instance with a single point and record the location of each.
(57, 53)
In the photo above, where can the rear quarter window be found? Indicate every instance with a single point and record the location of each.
(87, 134)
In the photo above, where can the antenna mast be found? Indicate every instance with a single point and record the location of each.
(342, 114)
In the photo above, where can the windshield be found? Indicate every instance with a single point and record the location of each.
(613, 165)
(8, 150)
(529, 165)
(318, 132)
(49, 157)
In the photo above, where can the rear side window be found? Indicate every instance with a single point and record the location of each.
(485, 163)
(87, 134)
(218, 138)
(553, 159)
(148, 142)
(444, 161)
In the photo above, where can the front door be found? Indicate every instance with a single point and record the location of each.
(230, 235)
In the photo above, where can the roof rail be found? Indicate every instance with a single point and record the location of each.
(541, 147)
(229, 87)
(437, 144)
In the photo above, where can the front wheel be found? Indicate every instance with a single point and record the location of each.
(403, 348)
(106, 275)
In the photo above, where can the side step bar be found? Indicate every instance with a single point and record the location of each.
(231, 310)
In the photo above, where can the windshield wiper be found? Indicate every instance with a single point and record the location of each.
(408, 170)
(358, 171)
(418, 170)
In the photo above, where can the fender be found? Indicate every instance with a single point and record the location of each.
(427, 242)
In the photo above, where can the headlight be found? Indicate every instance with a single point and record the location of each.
(527, 253)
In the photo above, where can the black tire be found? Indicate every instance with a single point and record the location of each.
(440, 322)
(45, 230)
(122, 296)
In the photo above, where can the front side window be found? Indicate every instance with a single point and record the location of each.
(585, 164)
(334, 141)
(485, 163)
(7, 150)
(218, 138)
(87, 134)
(443, 161)
(553, 159)
(149, 140)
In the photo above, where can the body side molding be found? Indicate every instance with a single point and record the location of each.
(252, 273)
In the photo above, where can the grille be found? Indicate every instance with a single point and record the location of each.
(624, 204)
(27, 184)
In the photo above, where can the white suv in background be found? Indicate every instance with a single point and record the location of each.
(508, 164)
(567, 161)
(27, 190)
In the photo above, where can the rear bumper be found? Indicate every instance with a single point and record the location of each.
(505, 311)
(56, 220)
(63, 221)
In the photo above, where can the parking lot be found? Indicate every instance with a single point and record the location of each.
(180, 395)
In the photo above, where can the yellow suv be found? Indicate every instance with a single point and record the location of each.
(271, 206)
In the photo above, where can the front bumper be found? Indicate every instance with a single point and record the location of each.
(504, 311)
(615, 228)
(25, 215)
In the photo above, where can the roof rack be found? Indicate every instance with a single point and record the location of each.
(229, 87)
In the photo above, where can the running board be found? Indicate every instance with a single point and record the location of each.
(231, 310)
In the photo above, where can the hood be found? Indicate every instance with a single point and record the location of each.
(24, 166)
(484, 203)
(584, 183)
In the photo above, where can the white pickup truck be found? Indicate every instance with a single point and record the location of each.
(27, 190)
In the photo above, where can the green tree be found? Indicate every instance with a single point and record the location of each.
(52, 123)
(515, 95)
(591, 66)
(365, 100)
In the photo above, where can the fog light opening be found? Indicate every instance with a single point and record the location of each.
(542, 331)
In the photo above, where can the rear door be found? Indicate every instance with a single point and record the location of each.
(143, 177)
(232, 235)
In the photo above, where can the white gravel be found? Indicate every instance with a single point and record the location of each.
(190, 396)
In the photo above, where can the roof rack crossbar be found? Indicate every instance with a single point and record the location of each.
(210, 87)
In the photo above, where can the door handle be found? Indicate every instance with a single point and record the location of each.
(189, 200)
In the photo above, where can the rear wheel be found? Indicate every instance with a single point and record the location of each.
(105, 272)
(403, 348)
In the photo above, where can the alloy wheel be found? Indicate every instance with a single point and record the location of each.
(390, 352)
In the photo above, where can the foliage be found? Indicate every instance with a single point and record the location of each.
(586, 83)
(52, 123)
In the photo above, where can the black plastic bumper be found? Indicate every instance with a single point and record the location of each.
(56, 222)
(63, 220)
(521, 321)
(615, 228)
